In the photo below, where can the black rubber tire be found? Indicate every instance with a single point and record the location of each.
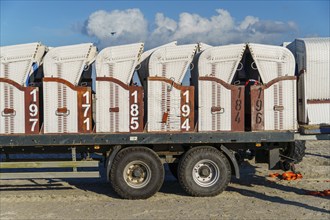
(191, 158)
(296, 151)
(285, 165)
(128, 155)
(299, 151)
(173, 167)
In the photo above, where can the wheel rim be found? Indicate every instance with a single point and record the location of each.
(137, 174)
(206, 173)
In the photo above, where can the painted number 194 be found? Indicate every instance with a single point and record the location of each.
(185, 112)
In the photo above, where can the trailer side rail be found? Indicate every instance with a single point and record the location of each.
(144, 138)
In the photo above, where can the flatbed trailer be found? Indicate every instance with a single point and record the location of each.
(59, 115)
(203, 162)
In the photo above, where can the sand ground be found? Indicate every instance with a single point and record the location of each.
(254, 196)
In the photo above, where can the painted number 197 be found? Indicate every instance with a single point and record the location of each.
(33, 110)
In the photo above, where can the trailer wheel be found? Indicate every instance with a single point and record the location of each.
(136, 173)
(204, 171)
(299, 151)
(296, 151)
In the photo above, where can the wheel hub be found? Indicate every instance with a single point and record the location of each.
(137, 174)
(206, 173)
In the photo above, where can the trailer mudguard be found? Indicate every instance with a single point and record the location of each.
(110, 159)
(233, 160)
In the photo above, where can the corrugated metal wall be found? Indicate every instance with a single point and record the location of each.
(319, 113)
(313, 65)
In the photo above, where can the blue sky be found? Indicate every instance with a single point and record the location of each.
(56, 23)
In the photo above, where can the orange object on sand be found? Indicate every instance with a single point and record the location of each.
(327, 192)
(319, 193)
(273, 175)
(291, 176)
(287, 175)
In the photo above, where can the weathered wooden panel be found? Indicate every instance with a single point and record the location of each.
(257, 108)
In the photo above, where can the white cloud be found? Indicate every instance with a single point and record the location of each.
(247, 22)
(131, 26)
(273, 26)
(164, 23)
(165, 27)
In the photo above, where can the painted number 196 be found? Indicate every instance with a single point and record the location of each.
(258, 107)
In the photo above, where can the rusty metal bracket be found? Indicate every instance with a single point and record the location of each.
(7, 112)
(62, 112)
(114, 109)
(169, 88)
(165, 117)
(217, 110)
(278, 107)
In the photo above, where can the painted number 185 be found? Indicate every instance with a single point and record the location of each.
(134, 111)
